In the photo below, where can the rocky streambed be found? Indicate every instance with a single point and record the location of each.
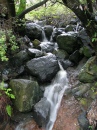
(34, 66)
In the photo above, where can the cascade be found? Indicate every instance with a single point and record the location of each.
(44, 39)
(54, 94)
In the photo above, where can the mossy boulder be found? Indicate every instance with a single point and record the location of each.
(36, 43)
(26, 93)
(88, 73)
(67, 42)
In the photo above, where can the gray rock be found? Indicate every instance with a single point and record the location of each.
(19, 58)
(67, 42)
(83, 121)
(66, 64)
(34, 53)
(33, 31)
(44, 68)
(75, 57)
(26, 94)
(41, 112)
(48, 31)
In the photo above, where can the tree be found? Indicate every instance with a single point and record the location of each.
(7, 7)
(85, 11)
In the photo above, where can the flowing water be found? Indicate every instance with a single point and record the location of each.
(54, 94)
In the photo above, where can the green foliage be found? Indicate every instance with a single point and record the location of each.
(7, 38)
(7, 91)
(9, 110)
(94, 38)
(21, 6)
(49, 10)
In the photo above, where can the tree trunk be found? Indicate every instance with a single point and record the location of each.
(8, 8)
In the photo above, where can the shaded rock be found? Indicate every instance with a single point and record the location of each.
(86, 51)
(84, 37)
(88, 73)
(26, 94)
(67, 42)
(44, 68)
(19, 58)
(48, 29)
(70, 28)
(34, 53)
(33, 31)
(66, 63)
(61, 54)
(75, 57)
(83, 121)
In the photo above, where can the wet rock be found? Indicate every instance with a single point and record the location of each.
(56, 32)
(26, 94)
(33, 31)
(88, 73)
(67, 42)
(75, 57)
(34, 53)
(83, 121)
(48, 31)
(61, 54)
(41, 112)
(47, 46)
(66, 64)
(44, 68)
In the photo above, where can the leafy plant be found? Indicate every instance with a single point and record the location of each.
(7, 91)
(7, 38)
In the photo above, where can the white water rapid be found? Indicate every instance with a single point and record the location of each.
(54, 94)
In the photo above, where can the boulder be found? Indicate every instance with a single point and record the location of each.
(41, 112)
(75, 57)
(19, 58)
(88, 73)
(61, 54)
(26, 94)
(68, 42)
(33, 31)
(34, 53)
(48, 29)
(44, 68)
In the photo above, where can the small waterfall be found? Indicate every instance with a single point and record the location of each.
(54, 94)
(44, 39)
